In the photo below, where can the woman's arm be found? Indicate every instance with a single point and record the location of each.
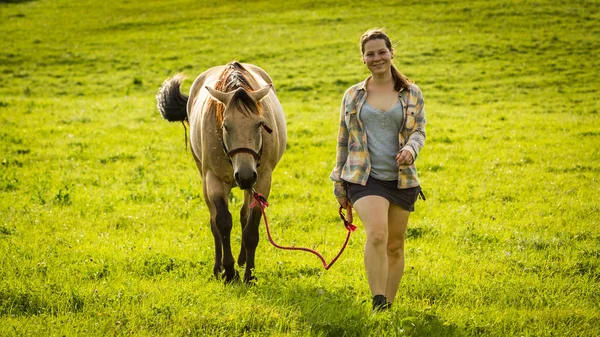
(341, 154)
(416, 139)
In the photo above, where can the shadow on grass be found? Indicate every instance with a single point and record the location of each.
(338, 311)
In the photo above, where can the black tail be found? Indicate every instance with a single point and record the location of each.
(171, 103)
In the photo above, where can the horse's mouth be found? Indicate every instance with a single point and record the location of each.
(246, 180)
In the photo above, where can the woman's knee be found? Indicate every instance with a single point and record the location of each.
(395, 246)
(395, 250)
(377, 237)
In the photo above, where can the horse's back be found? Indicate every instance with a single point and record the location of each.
(208, 77)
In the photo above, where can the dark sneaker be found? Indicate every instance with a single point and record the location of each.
(380, 303)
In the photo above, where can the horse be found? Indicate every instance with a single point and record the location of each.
(237, 136)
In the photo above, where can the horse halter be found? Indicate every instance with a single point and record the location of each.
(256, 155)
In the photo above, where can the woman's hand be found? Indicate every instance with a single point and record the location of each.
(404, 158)
(345, 203)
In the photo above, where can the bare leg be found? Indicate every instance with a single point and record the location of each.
(398, 220)
(373, 212)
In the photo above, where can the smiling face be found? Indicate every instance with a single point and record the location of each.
(377, 56)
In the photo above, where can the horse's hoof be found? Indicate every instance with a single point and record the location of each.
(234, 278)
(250, 279)
(219, 273)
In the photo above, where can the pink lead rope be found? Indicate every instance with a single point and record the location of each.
(262, 203)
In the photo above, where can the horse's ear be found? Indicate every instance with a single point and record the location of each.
(223, 97)
(260, 93)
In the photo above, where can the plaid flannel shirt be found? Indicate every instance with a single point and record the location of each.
(353, 163)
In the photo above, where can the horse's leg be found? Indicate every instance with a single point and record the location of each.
(250, 235)
(250, 232)
(218, 203)
(217, 268)
(224, 224)
(243, 220)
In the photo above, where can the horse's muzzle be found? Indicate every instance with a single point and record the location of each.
(245, 179)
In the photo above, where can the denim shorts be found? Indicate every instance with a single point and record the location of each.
(404, 198)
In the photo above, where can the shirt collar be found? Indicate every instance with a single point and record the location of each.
(363, 85)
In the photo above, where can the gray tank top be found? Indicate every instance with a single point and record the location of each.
(382, 128)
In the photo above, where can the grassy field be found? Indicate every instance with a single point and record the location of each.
(103, 230)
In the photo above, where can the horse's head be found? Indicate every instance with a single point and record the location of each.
(242, 131)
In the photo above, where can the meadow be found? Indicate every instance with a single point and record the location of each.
(104, 231)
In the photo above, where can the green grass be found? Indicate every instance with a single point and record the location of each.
(103, 230)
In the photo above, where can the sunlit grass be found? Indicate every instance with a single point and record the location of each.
(103, 230)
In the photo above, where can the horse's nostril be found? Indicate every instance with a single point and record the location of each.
(245, 180)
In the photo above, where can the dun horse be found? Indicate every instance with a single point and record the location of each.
(237, 136)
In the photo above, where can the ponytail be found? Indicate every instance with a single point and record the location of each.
(400, 81)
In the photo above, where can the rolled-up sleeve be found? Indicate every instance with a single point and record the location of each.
(341, 154)
(416, 139)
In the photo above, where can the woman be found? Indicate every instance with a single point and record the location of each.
(382, 130)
